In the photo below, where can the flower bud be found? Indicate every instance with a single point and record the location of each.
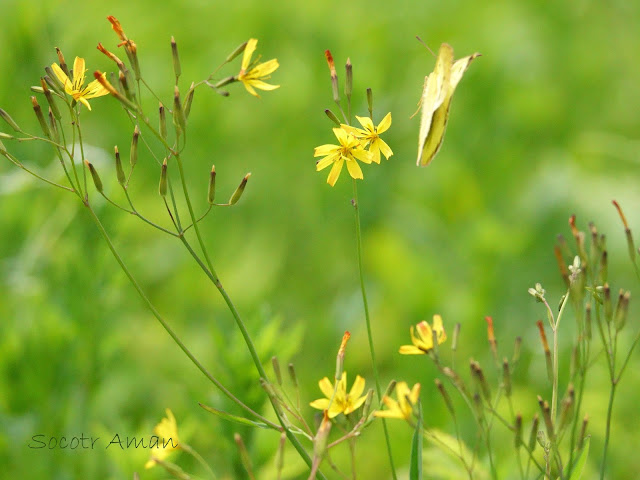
(566, 409)
(292, 375)
(53, 127)
(119, 171)
(506, 377)
(366, 409)
(238, 193)
(49, 97)
(334, 76)
(604, 268)
(322, 436)
(40, 116)
(211, 193)
(445, 397)
(627, 231)
(622, 309)
(94, 174)
(52, 81)
(492, 338)
(99, 76)
(63, 64)
(455, 336)
(370, 101)
(518, 431)
(561, 265)
(478, 375)
(457, 381)
(547, 351)
(244, 454)
(390, 388)
(162, 121)
(238, 50)
(189, 100)
(608, 308)
(133, 153)
(162, 188)
(340, 356)
(546, 416)
(348, 83)
(516, 350)
(178, 114)
(583, 432)
(176, 58)
(276, 369)
(332, 117)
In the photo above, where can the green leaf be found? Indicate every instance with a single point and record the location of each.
(415, 469)
(581, 462)
(235, 418)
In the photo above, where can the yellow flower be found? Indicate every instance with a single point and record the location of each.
(167, 442)
(423, 342)
(343, 402)
(349, 149)
(403, 407)
(75, 87)
(252, 77)
(370, 135)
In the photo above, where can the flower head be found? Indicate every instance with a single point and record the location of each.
(343, 402)
(348, 151)
(422, 338)
(251, 74)
(75, 87)
(403, 407)
(168, 441)
(370, 136)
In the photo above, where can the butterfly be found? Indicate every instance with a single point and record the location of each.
(436, 100)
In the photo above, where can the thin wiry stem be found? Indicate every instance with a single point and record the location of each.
(376, 375)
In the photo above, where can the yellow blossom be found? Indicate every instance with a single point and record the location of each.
(252, 77)
(343, 402)
(348, 151)
(168, 441)
(423, 341)
(403, 407)
(75, 87)
(370, 136)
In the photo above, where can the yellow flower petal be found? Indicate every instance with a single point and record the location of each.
(326, 387)
(410, 350)
(248, 53)
(384, 148)
(326, 161)
(384, 125)
(366, 123)
(354, 169)
(362, 155)
(335, 171)
(357, 388)
(320, 404)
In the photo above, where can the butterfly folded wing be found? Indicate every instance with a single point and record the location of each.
(434, 93)
(431, 138)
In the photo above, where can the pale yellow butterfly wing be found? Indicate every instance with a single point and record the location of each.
(434, 124)
(433, 94)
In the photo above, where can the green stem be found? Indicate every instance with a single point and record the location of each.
(199, 458)
(612, 392)
(166, 326)
(356, 209)
(210, 272)
(554, 393)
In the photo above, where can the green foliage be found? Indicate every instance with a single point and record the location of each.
(543, 126)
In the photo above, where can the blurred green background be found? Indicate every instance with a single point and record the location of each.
(545, 124)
